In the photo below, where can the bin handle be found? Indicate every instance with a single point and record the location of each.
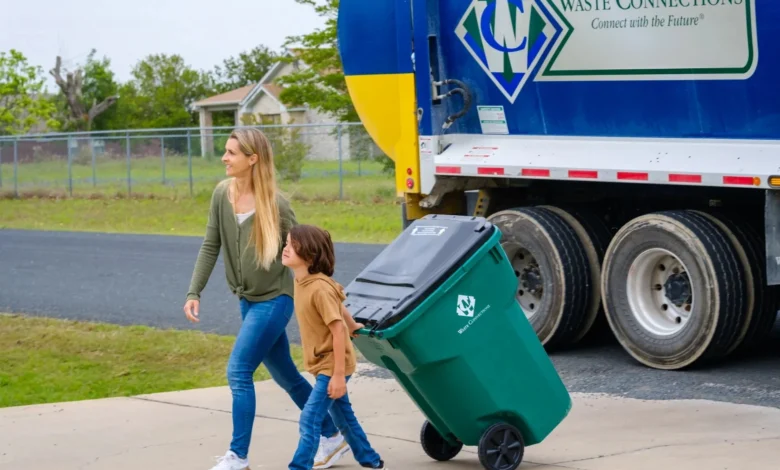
(379, 324)
(362, 331)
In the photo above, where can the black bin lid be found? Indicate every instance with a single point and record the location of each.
(413, 266)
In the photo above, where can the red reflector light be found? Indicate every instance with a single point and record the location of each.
(583, 174)
(675, 178)
(409, 171)
(742, 180)
(450, 170)
(490, 171)
(538, 172)
(409, 183)
(627, 175)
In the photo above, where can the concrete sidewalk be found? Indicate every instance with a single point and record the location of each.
(185, 430)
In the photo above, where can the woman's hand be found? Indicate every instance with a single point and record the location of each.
(337, 387)
(192, 309)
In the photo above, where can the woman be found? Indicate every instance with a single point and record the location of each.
(248, 220)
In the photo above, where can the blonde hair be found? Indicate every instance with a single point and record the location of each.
(266, 233)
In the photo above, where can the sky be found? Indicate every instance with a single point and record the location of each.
(203, 32)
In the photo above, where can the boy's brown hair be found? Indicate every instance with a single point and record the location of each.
(315, 247)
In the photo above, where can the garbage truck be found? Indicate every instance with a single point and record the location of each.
(627, 150)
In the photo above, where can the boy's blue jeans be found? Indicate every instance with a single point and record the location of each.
(311, 422)
(263, 339)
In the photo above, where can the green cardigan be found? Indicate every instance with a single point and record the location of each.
(244, 278)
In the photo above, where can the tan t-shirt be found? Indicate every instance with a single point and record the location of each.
(318, 302)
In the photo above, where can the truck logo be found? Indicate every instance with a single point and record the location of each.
(466, 306)
(601, 40)
(507, 38)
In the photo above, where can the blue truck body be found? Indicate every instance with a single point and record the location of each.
(744, 107)
(609, 140)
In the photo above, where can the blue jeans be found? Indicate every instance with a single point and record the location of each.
(263, 339)
(311, 421)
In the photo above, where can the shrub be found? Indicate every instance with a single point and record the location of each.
(290, 153)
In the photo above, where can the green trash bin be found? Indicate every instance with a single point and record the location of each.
(441, 315)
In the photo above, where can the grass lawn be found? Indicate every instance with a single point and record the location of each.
(368, 212)
(45, 360)
(347, 222)
(361, 181)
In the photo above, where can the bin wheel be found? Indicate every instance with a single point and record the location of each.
(501, 447)
(436, 446)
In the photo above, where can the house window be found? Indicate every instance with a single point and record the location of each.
(272, 119)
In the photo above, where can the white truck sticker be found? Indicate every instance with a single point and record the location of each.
(492, 119)
(426, 145)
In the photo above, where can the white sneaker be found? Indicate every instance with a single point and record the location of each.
(230, 461)
(330, 451)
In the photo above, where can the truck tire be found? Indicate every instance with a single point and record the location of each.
(595, 237)
(673, 289)
(739, 243)
(761, 320)
(553, 274)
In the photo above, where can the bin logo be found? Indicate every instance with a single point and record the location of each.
(507, 38)
(466, 306)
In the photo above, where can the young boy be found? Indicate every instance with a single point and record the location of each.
(326, 327)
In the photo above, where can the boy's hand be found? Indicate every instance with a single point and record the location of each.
(352, 325)
(337, 387)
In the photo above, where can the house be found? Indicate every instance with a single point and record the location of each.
(250, 103)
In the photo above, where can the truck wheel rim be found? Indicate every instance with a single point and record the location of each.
(530, 284)
(660, 294)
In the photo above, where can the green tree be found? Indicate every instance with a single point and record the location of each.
(23, 100)
(87, 95)
(160, 92)
(246, 69)
(99, 85)
(322, 85)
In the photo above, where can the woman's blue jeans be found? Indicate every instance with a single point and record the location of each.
(263, 339)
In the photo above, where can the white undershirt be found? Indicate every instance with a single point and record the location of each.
(242, 217)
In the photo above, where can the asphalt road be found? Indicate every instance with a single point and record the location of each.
(126, 279)
(139, 279)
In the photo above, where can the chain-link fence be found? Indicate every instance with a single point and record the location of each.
(313, 161)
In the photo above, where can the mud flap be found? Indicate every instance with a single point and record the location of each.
(772, 232)
(405, 222)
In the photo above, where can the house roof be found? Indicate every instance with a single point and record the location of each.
(230, 97)
(244, 95)
(260, 87)
(273, 89)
